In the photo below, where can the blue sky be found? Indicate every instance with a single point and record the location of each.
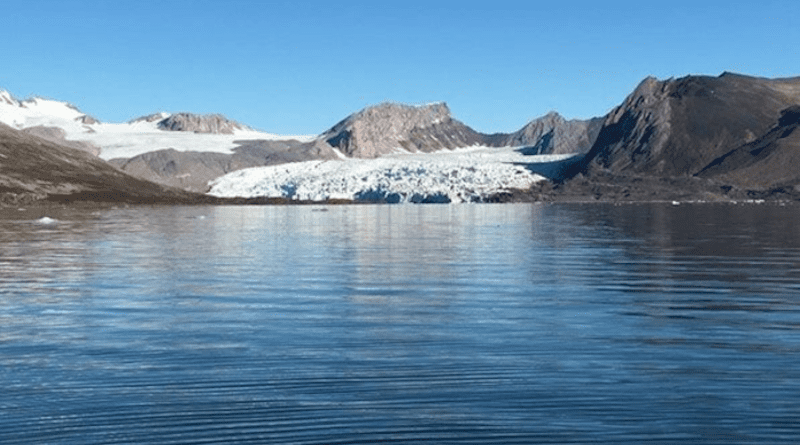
(298, 67)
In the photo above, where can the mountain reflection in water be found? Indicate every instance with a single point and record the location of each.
(362, 324)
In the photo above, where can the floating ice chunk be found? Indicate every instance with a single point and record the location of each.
(46, 220)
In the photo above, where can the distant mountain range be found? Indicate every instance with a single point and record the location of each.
(696, 137)
(370, 133)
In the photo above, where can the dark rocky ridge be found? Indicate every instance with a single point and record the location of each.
(551, 134)
(193, 170)
(678, 127)
(708, 138)
(57, 135)
(36, 169)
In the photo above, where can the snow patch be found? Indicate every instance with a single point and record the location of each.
(469, 174)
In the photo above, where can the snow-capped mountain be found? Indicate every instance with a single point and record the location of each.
(182, 131)
(42, 112)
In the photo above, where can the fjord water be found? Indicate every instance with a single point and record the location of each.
(429, 323)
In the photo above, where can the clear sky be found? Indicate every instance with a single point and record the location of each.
(298, 67)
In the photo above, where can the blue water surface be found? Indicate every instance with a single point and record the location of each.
(522, 323)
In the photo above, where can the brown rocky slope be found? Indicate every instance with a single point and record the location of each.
(36, 169)
(730, 136)
(679, 127)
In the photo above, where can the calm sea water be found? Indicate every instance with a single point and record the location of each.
(401, 324)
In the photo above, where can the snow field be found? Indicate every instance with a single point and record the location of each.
(463, 175)
(120, 140)
(132, 139)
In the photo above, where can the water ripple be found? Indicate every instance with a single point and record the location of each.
(372, 324)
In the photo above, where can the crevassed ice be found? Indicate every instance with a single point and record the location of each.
(464, 175)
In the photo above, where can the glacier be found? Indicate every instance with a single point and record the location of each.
(469, 174)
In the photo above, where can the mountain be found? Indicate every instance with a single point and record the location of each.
(694, 138)
(181, 131)
(371, 133)
(35, 169)
(385, 128)
(402, 153)
(41, 112)
(551, 134)
(389, 127)
(187, 150)
(47, 119)
(678, 127)
(209, 123)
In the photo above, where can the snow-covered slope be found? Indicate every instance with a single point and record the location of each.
(463, 175)
(127, 140)
(123, 140)
(40, 112)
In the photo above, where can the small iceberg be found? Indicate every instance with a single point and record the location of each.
(46, 220)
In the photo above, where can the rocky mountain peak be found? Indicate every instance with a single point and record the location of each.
(649, 93)
(208, 123)
(412, 116)
(544, 123)
(8, 99)
(393, 119)
(385, 128)
(551, 134)
(677, 127)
